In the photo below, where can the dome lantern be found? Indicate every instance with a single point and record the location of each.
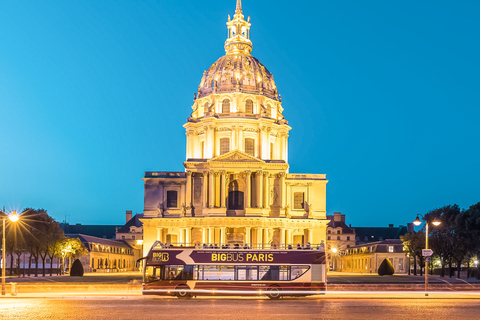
(238, 41)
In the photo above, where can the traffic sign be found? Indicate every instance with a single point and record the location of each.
(427, 252)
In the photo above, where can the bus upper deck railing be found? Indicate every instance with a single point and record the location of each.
(237, 246)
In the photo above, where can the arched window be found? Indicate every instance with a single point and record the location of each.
(269, 111)
(250, 146)
(226, 106)
(205, 108)
(249, 106)
(338, 231)
(224, 145)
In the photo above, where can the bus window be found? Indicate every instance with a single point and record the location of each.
(269, 273)
(153, 273)
(247, 273)
(188, 273)
(284, 273)
(297, 271)
(225, 273)
(173, 272)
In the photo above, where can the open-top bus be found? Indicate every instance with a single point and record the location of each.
(211, 270)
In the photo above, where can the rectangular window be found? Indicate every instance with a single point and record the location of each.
(390, 248)
(224, 145)
(298, 200)
(171, 199)
(348, 238)
(250, 146)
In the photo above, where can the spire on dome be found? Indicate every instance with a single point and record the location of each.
(239, 7)
(238, 41)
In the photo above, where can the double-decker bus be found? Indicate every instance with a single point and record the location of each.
(223, 270)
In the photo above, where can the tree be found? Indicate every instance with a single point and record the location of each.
(470, 223)
(413, 243)
(72, 248)
(444, 239)
(77, 269)
(386, 268)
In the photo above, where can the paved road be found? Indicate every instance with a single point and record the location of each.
(128, 307)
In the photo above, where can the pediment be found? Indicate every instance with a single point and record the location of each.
(236, 156)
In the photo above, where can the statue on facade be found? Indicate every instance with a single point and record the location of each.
(309, 210)
(161, 210)
(184, 209)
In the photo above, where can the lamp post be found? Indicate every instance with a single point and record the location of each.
(13, 217)
(418, 222)
(334, 259)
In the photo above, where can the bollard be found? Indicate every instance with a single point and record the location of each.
(13, 288)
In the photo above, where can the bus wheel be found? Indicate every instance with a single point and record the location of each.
(182, 292)
(274, 292)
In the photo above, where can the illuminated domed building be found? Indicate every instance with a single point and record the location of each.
(236, 187)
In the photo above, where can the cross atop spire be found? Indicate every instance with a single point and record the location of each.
(239, 7)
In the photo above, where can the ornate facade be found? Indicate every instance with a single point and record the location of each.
(236, 187)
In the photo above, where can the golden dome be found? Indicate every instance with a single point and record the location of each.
(238, 73)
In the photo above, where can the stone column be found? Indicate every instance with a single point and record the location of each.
(211, 189)
(266, 236)
(181, 239)
(248, 236)
(259, 179)
(259, 238)
(204, 235)
(283, 240)
(211, 235)
(160, 234)
(223, 196)
(282, 146)
(188, 201)
(249, 189)
(266, 187)
(310, 235)
(223, 235)
(282, 190)
(188, 235)
(205, 189)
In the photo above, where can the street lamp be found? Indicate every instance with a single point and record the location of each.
(334, 259)
(13, 217)
(418, 222)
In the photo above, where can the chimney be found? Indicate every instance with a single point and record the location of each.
(337, 216)
(390, 225)
(410, 227)
(129, 215)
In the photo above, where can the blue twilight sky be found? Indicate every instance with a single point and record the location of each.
(382, 96)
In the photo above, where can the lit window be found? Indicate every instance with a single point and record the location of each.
(224, 145)
(298, 200)
(226, 106)
(171, 199)
(249, 106)
(250, 146)
(390, 248)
